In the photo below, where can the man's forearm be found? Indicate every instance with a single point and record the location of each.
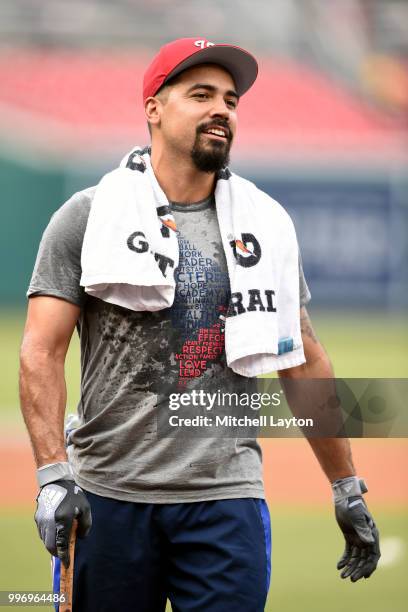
(333, 454)
(43, 400)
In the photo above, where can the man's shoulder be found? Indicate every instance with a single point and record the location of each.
(88, 193)
(68, 223)
(81, 200)
(75, 210)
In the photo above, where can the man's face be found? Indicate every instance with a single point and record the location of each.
(198, 116)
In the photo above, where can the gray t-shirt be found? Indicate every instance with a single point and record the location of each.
(131, 361)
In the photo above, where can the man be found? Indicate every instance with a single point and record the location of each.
(179, 519)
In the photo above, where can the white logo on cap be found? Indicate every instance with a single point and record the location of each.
(203, 43)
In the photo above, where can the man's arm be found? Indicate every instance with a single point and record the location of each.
(47, 334)
(48, 331)
(362, 551)
(333, 454)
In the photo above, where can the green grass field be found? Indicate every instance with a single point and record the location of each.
(306, 543)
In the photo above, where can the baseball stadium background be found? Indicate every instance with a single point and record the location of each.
(324, 131)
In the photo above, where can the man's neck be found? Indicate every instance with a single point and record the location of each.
(180, 180)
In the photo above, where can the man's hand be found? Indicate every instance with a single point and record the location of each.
(58, 504)
(362, 550)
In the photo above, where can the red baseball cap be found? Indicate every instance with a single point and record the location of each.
(184, 53)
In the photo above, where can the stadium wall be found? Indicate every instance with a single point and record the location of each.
(352, 227)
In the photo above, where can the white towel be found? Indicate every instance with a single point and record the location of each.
(262, 327)
(264, 270)
(130, 215)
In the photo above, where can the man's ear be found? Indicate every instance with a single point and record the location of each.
(152, 110)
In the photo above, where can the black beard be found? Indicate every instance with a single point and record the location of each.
(213, 157)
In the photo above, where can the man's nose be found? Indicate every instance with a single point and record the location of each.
(220, 109)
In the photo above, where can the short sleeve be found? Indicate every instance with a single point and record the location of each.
(304, 292)
(57, 270)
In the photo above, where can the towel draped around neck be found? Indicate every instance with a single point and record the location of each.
(130, 253)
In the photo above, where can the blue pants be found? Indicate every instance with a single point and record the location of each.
(211, 556)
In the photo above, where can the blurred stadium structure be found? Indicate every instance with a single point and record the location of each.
(324, 129)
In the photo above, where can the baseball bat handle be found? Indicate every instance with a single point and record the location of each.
(67, 573)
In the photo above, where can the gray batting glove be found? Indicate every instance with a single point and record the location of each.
(59, 502)
(362, 550)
